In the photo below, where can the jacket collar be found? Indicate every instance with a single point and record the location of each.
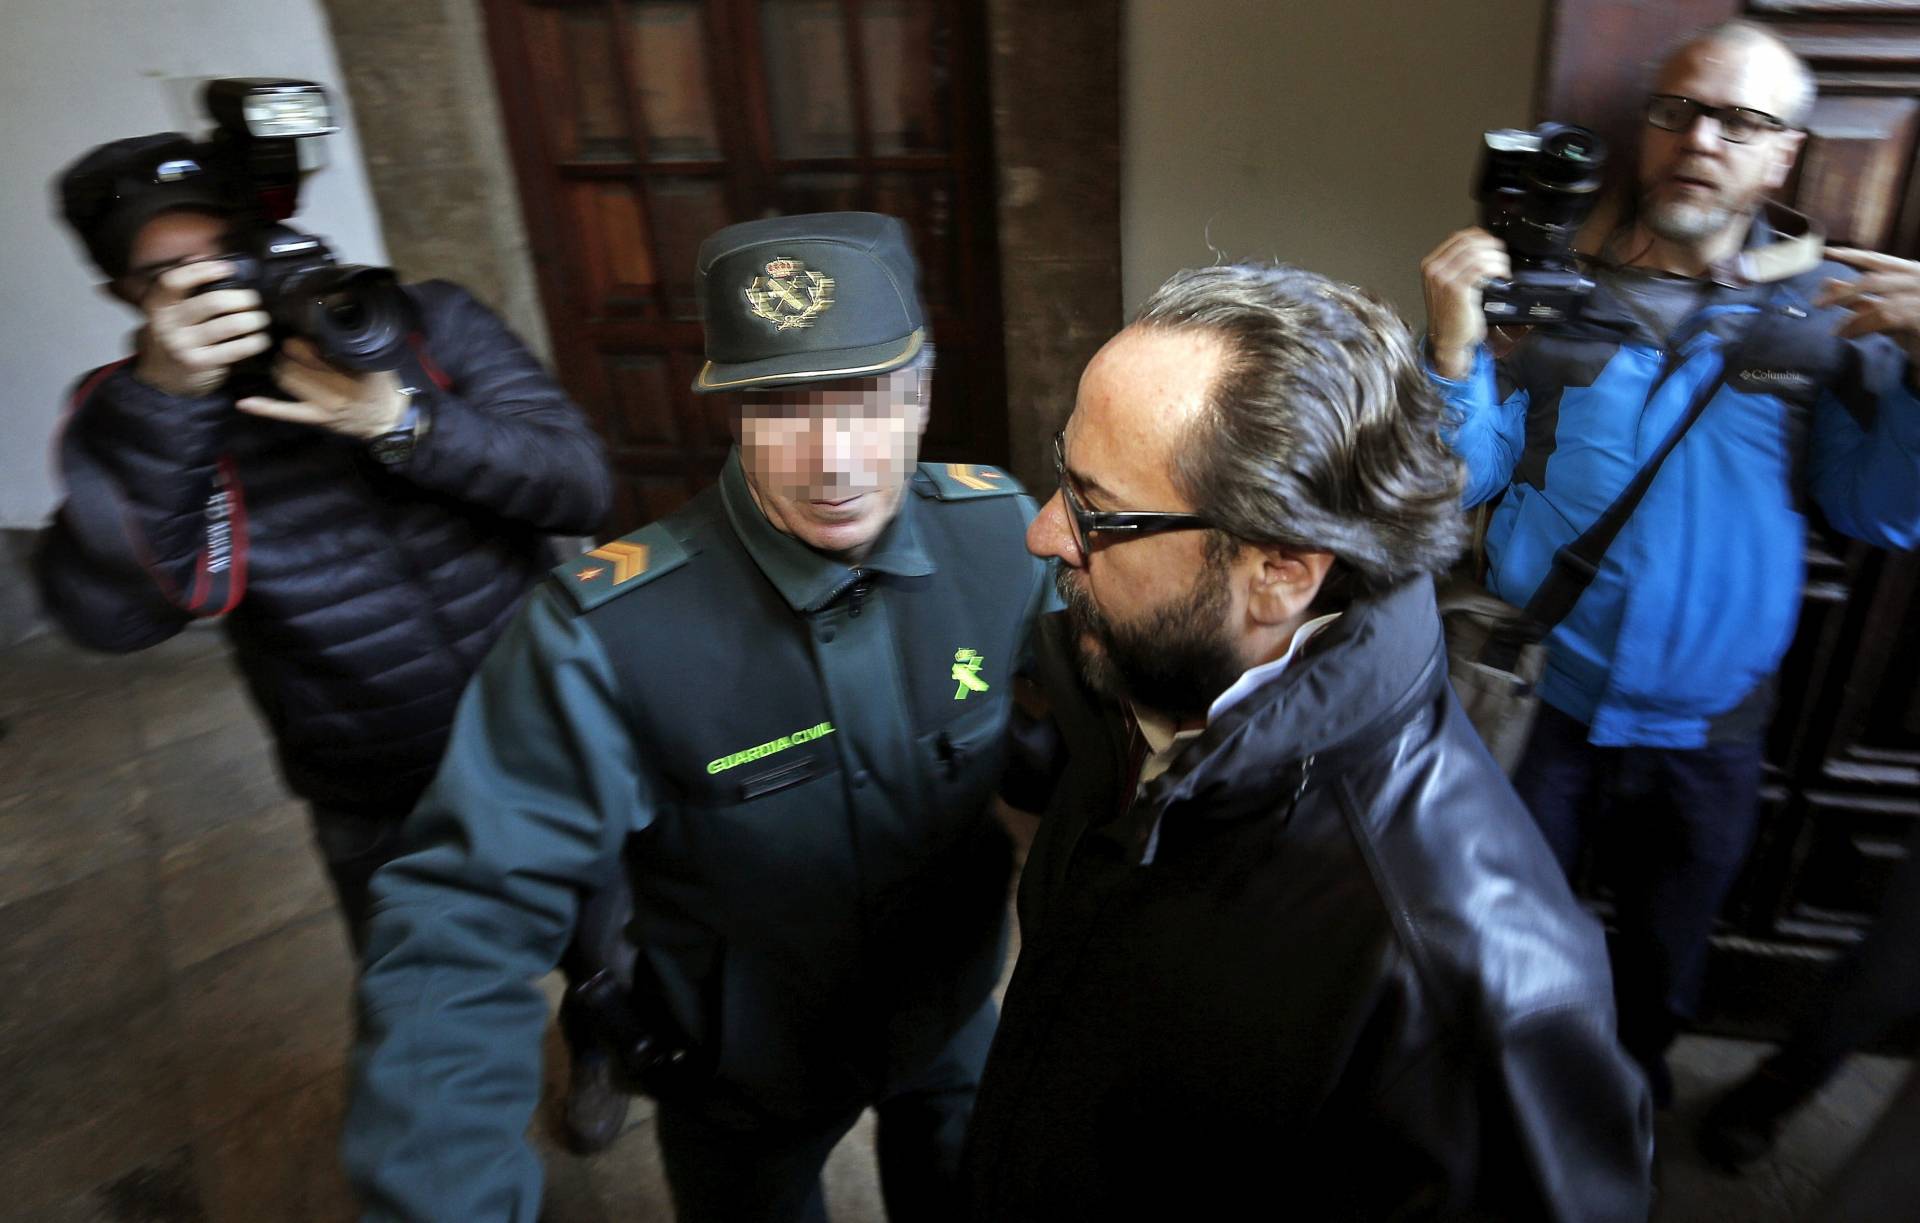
(1351, 688)
(806, 579)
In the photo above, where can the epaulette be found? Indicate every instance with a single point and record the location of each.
(628, 563)
(963, 481)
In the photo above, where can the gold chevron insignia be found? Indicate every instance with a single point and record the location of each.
(972, 477)
(629, 560)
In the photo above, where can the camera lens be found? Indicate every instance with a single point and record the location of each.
(1572, 146)
(1569, 159)
(359, 316)
(345, 313)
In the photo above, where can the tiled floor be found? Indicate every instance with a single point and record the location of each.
(174, 1012)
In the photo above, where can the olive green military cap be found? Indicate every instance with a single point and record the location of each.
(811, 298)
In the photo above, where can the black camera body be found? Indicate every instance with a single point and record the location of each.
(1536, 188)
(357, 316)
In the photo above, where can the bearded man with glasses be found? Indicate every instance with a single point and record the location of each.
(1787, 379)
(1283, 922)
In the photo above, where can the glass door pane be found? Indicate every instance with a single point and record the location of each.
(809, 85)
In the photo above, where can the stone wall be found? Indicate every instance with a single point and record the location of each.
(421, 83)
(20, 614)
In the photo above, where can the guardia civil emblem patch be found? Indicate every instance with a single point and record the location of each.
(966, 671)
(790, 295)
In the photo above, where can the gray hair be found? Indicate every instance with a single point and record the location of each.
(1741, 32)
(1320, 432)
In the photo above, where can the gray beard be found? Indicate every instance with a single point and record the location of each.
(1686, 223)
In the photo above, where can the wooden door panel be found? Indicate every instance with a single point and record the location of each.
(1851, 844)
(641, 390)
(908, 109)
(612, 247)
(668, 50)
(810, 86)
(1854, 165)
(576, 66)
(1874, 739)
(1822, 43)
(684, 212)
(639, 127)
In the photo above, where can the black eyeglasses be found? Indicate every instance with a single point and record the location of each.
(1086, 522)
(1672, 113)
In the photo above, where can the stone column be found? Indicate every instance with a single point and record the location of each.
(421, 83)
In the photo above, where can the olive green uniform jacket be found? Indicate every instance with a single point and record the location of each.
(795, 762)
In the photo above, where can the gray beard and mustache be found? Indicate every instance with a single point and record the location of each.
(1684, 222)
(1680, 222)
(1175, 662)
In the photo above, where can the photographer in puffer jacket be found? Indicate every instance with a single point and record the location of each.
(365, 534)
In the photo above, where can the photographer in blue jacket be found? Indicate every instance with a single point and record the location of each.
(1659, 683)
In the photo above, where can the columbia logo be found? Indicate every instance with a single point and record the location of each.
(1787, 378)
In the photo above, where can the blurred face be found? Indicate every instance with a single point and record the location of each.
(1152, 615)
(1694, 185)
(167, 241)
(828, 462)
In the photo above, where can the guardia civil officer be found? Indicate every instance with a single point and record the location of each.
(780, 710)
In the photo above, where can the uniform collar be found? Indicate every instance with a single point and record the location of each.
(806, 579)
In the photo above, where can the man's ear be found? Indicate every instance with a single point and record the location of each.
(1284, 584)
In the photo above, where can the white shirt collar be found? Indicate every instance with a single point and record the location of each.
(1256, 676)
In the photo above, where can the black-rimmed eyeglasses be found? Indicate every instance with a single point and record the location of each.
(1087, 523)
(1672, 113)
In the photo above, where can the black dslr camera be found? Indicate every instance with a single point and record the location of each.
(1535, 190)
(357, 316)
(248, 171)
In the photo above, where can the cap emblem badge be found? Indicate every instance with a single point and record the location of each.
(790, 295)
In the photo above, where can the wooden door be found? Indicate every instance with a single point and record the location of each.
(1842, 788)
(641, 126)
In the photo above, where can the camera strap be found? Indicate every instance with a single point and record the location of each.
(417, 345)
(1576, 564)
(220, 573)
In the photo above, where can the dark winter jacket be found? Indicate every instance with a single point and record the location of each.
(359, 599)
(1348, 981)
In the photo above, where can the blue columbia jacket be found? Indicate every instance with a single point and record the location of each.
(1696, 601)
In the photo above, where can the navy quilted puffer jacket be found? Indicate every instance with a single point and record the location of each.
(359, 599)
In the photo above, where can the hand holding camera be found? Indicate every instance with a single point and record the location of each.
(361, 405)
(1535, 189)
(1453, 279)
(205, 317)
(193, 338)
